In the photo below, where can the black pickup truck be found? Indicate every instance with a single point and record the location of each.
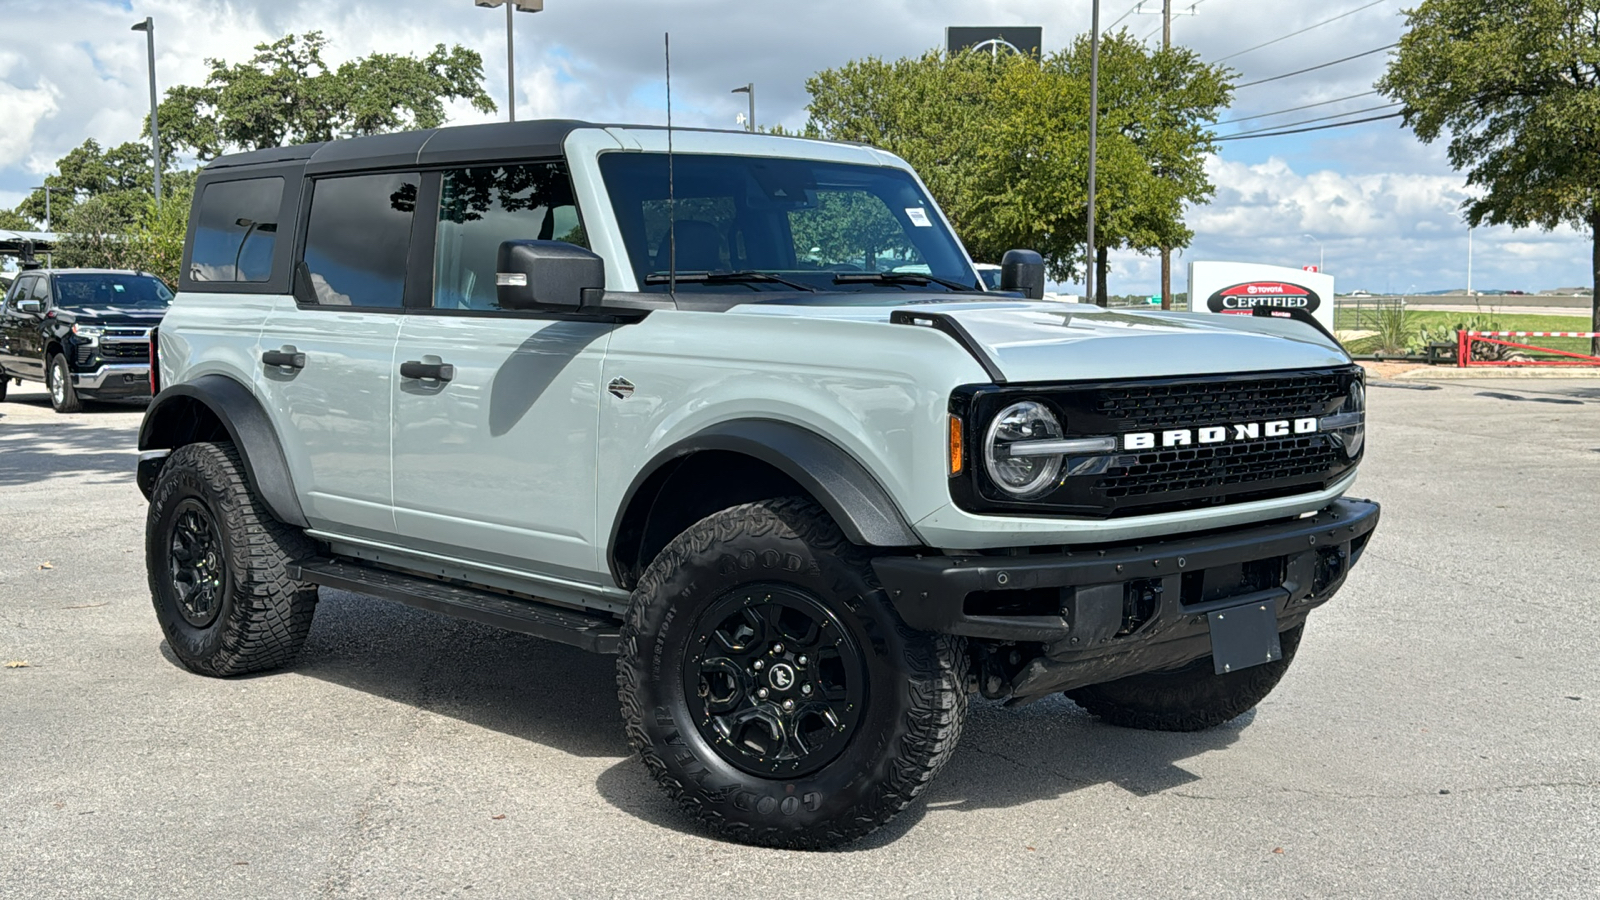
(84, 333)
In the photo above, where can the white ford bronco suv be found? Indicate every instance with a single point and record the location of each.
(738, 409)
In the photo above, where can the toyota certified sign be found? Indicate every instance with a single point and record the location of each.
(1241, 299)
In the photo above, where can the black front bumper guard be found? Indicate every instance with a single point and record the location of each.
(1103, 613)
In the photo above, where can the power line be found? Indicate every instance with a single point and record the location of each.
(1353, 112)
(1315, 68)
(1125, 15)
(1296, 108)
(1246, 137)
(1302, 31)
(1192, 12)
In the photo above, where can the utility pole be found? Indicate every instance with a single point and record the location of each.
(750, 124)
(1469, 260)
(1094, 124)
(148, 26)
(1166, 44)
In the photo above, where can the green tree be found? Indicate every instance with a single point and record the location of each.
(287, 94)
(11, 220)
(94, 235)
(1002, 141)
(1517, 86)
(122, 176)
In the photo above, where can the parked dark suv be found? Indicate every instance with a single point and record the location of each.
(84, 333)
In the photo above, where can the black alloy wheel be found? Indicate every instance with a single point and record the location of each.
(775, 681)
(197, 563)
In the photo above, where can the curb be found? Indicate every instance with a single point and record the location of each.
(1454, 373)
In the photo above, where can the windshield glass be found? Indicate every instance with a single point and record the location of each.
(111, 289)
(821, 225)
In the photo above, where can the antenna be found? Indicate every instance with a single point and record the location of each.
(672, 194)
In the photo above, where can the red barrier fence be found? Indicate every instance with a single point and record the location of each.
(1467, 339)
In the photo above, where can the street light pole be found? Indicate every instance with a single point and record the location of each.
(750, 124)
(148, 26)
(512, 6)
(1094, 116)
(1319, 250)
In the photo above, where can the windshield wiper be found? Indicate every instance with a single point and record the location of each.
(739, 277)
(900, 278)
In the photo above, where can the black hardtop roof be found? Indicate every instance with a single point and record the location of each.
(433, 147)
(85, 272)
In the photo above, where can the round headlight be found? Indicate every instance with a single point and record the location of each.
(1022, 476)
(1357, 434)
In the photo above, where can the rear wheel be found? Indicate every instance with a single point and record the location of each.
(1192, 698)
(772, 690)
(218, 567)
(58, 378)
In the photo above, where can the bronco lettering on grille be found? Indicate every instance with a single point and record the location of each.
(1217, 434)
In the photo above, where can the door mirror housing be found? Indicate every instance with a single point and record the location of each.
(546, 275)
(32, 307)
(1023, 271)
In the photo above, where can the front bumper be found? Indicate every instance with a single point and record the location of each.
(120, 379)
(1105, 612)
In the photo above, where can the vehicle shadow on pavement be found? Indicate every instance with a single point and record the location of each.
(1006, 758)
(32, 451)
(531, 689)
(565, 699)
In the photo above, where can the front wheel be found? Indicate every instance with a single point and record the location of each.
(772, 690)
(1192, 698)
(58, 378)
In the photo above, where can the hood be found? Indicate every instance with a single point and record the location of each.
(1049, 341)
(137, 317)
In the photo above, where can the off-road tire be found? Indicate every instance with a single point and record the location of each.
(5, 382)
(263, 616)
(56, 374)
(1192, 698)
(907, 727)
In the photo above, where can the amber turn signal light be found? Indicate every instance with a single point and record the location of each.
(955, 445)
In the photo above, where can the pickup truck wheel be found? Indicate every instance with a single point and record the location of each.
(1192, 698)
(63, 396)
(772, 690)
(218, 567)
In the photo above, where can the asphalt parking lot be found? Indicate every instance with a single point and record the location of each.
(1439, 735)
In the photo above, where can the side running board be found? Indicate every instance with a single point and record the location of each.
(590, 631)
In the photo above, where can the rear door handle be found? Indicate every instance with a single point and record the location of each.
(287, 358)
(427, 371)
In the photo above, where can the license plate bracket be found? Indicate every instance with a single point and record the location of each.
(1244, 636)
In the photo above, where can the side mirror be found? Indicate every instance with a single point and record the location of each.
(546, 275)
(29, 306)
(1023, 271)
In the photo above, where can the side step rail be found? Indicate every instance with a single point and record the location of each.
(595, 633)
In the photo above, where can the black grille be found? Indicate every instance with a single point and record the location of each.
(1228, 467)
(1172, 405)
(124, 350)
(1186, 477)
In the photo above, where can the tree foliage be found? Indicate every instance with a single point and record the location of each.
(94, 235)
(1517, 87)
(1002, 141)
(287, 94)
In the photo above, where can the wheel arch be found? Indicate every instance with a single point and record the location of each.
(216, 408)
(750, 459)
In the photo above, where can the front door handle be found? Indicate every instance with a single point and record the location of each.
(428, 371)
(286, 358)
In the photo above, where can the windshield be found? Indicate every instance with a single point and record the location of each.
(822, 226)
(111, 290)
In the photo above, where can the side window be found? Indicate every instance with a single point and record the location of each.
(237, 231)
(481, 207)
(41, 290)
(358, 240)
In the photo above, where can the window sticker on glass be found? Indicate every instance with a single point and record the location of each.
(918, 216)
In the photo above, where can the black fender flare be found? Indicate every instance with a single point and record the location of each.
(266, 467)
(862, 508)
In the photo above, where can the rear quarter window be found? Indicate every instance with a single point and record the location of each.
(236, 231)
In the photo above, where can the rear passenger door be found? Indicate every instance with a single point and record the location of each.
(494, 457)
(327, 363)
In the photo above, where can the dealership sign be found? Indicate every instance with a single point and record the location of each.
(1240, 288)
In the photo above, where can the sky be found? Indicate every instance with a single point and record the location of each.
(1380, 209)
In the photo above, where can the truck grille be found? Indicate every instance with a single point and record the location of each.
(1143, 482)
(123, 351)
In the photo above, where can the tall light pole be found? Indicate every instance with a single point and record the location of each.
(1094, 117)
(51, 190)
(148, 26)
(1319, 248)
(750, 124)
(1469, 260)
(528, 6)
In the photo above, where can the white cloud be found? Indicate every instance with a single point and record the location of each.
(1383, 203)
